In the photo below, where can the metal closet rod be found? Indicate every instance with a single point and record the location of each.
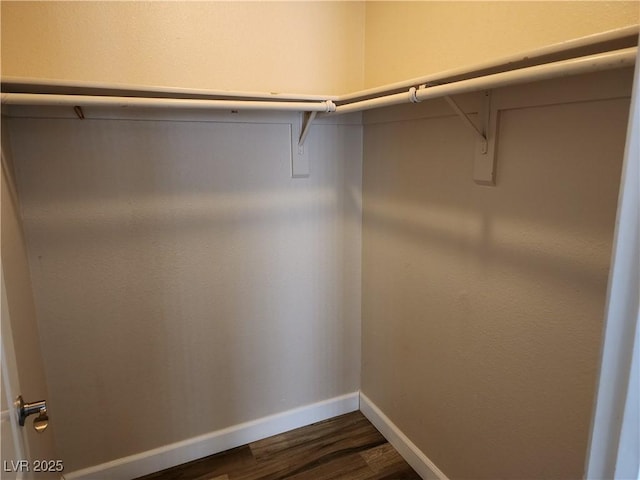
(35, 85)
(590, 63)
(556, 48)
(47, 99)
(49, 85)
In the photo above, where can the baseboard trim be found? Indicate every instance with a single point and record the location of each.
(191, 449)
(405, 447)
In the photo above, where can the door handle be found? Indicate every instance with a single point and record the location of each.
(41, 422)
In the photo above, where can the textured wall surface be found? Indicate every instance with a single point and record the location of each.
(409, 39)
(184, 282)
(483, 306)
(21, 308)
(176, 263)
(305, 47)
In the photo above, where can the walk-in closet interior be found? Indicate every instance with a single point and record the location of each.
(222, 221)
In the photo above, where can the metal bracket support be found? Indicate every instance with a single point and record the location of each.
(307, 120)
(469, 123)
(484, 163)
(79, 112)
(300, 158)
(300, 167)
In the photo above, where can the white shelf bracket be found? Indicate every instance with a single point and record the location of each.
(300, 167)
(484, 163)
(307, 120)
(480, 134)
(299, 158)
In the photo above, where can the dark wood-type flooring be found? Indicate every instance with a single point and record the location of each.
(345, 447)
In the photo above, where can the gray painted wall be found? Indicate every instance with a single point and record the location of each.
(483, 306)
(183, 281)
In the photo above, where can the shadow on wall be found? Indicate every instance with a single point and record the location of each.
(493, 239)
(551, 215)
(177, 265)
(483, 306)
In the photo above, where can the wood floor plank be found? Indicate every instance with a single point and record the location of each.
(347, 447)
(208, 467)
(316, 434)
(404, 472)
(350, 467)
(382, 457)
(304, 449)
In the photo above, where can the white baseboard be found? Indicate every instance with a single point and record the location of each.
(191, 449)
(405, 447)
